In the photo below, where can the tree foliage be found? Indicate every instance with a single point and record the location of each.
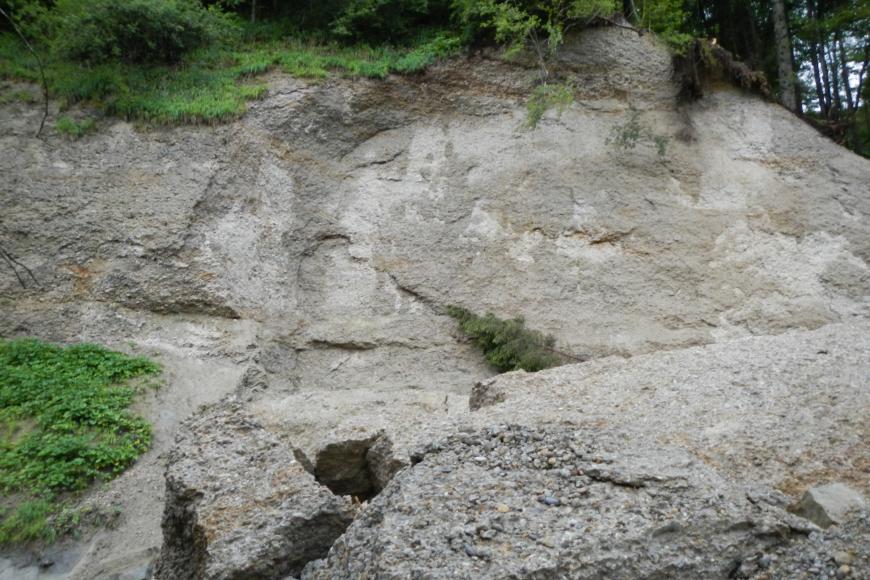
(136, 31)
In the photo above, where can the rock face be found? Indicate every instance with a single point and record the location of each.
(238, 504)
(514, 502)
(304, 254)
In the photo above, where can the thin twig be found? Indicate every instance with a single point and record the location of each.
(12, 267)
(13, 262)
(562, 353)
(39, 64)
(621, 25)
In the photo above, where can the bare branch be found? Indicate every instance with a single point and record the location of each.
(612, 22)
(39, 64)
(14, 264)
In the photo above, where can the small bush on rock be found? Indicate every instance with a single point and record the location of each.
(74, 129)
(507, 344)
(546, 97)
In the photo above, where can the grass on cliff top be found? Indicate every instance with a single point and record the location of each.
(65, 423)
(211, 85)
(507, 344)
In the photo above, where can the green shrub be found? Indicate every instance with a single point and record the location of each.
(634, 132)
(545, 97)
(514, 23)
(507, 344)
(134, 31)
(380, 21)
(72, 128)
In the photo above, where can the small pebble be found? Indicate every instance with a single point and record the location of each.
(549, 500)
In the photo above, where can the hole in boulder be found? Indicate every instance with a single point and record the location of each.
(357, 467)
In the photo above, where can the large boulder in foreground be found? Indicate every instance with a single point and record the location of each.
(521, 502)
(239, 505)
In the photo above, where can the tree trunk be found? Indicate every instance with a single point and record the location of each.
(788, 94)
(861, 77)
(819, 58)
(817, 75)
(844, 70)
(835, 79)
(630, 11)
(253, 11)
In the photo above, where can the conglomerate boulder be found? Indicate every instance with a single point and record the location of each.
(558, 502)
(239, 505)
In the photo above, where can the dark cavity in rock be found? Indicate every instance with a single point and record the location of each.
(357, 467)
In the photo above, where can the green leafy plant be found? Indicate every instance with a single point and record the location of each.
(545, 97)
(64, 423)
(507, 344)
(634, 132)
(72, 128)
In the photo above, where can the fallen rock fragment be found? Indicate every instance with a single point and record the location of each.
(523, 502)
(830, 504)
(239, 505)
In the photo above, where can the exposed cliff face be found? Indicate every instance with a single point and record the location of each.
(310, 247)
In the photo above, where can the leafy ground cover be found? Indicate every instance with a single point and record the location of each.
(65, 423)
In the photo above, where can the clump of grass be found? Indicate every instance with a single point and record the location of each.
(65, 423)
(507, 344)
(74, 129)
(26, 522)
(20, 96)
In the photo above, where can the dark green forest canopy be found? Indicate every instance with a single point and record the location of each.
(814, 53)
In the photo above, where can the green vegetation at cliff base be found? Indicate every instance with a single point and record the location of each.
(65, 424)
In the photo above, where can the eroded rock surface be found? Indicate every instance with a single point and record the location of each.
(787, 411)
(239, 505)
(841, 551)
